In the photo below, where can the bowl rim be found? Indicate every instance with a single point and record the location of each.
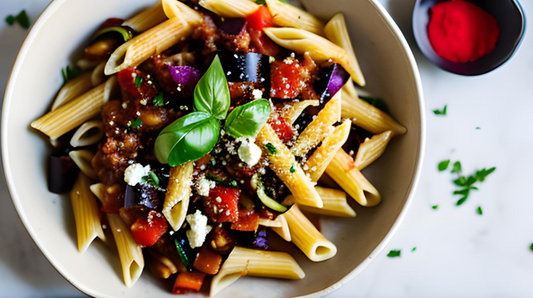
(28, 41)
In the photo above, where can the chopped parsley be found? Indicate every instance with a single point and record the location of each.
(414, 249)
(434, 207)
(443, 165)
(151, 179)
(70, 73)
(394, 253)
(483, 173)
(478, 127)
(271, 149)
(466, 182)
(441, 112)
(158, 100)
(457, 167)
(135, 123)
(138, 81)
(293, 169)
(22, 18)
(479, 210)
(531, 247)
(233, 183)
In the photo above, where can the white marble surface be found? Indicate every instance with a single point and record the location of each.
(459, 253)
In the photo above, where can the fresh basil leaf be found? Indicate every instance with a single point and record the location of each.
(377, 102)
(443, 165)
(439, 112)
(457, 167)
(479, 210)
(188, 138)
(211, 94)
(394, 253)
(246, 120)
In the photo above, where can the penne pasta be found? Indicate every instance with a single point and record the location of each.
(72, 114)
(371, 149)
(178, 9)
(369, 117)
(283, 231)
(97, 75)
(281, 162)
(286, 15)
(307, 238)
(335, 203)
(89, 133)
(230, 8)
(149, 43)
(297, 108)
(337, 33)
(319, 128)
(129, 252)
(86, 213)
(86, 64)
(276, 223)
(83, 158)
(319, 48)
(343, 171)
(178, 194)
(245, 261)
(320, 159)
(98, 189)
(147, 19)
(73, 89)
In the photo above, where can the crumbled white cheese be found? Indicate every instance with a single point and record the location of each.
(249, 152)
(258, 94)
(199, 229)
(203, 186)
(135, 172)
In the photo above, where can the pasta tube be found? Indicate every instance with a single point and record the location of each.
(334, 203)
(320, 159)
(297, 108)
(343, 171)
(245, 261)
(230, 8)
(337, 32)
(72, 114)
(97, 75)
(281, 162)
(372, 149)
(319, 128)
(286, 15)
(283, 231)
(129, 252)
(178, 9)
(178, 194)
(319, 48)
(369, 117)
(83, 158)
(89, 133)
(73, 89)
(147, 19)
(307, 238)
(270, 223)
(86, 213)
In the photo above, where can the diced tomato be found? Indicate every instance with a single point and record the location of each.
(282, 128)
(207, 260)
(188, 281)
(126, 79)
(285, 78)
(248, 220)
(111, 22)
(262, 44)
(222, 204)
(146, 231)
(260, 19)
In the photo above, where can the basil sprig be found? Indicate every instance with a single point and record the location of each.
(196, 134)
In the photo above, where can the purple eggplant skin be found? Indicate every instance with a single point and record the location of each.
(231, 26)
(330, 81)
(187, 77)
(145, 195)
(250, 67)
(62, 174)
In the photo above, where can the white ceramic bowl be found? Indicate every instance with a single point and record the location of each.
(56, 38)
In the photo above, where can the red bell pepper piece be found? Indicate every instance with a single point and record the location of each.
(188, 281)
(146, 231)
(222, 204)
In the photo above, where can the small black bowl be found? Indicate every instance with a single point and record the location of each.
(511, 20)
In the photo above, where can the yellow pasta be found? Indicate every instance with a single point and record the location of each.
(178, 9)
(296, 109)
(97, 75)
(147, 18)
(72, 114)
(283, 231)
(369, 117)
(343, 171)
(281, 163)
(178, 194)
(86, 214)
(307, 238)
(334, 203)
(245, 261)
(230, 8)
(129, 252)
(320, 159)
(83, 158)
(73, 89)
(286, 15)
(319, 48)
(89, 133)
(319, 128)
(337, 32)
(276, 223)
(371, 149)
